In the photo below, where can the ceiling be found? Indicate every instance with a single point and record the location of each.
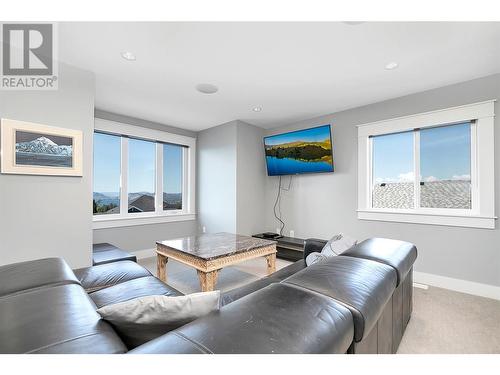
(293, 71)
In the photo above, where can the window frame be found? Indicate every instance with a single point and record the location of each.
(124, 218)
(482, 212)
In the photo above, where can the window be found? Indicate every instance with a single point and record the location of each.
(141, 176)
(445, 173)
(107, 164)
(423, 168)
(445, 157)
(393, 176)
(172, 177)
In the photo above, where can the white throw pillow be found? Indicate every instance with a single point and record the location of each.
(315, 258)
(338, 244)
(142, 319)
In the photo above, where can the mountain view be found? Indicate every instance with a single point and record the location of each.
(43, 145)
(43, 151)
(302, 150)
(109, 202)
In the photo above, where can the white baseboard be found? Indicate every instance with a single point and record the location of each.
(463, 286)
(145, 253)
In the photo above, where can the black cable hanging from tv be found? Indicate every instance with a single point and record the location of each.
(277, 203)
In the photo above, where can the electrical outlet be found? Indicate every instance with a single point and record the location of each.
(278, 230)
(204, 229)
(292, 233)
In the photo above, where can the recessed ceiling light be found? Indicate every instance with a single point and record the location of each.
(129, 56)
(257, 109)
(207, 88)
(391, 66)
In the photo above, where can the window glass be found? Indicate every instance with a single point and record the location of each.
(172, 177)
(141, 176)
(107, 169)
(445, 167)
(393, 171)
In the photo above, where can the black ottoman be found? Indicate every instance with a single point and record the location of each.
(103, 253)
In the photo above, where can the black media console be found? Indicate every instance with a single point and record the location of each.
(289, 248)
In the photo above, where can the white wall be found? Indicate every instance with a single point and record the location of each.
(231, 178)
(323, 204)
(138, 238)
(45, 216)
(216, 178)
(250, 179)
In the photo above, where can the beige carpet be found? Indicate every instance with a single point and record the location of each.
(443, 321)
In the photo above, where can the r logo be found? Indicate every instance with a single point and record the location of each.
(27, 49)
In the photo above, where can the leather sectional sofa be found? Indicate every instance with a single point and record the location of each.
(359, 302)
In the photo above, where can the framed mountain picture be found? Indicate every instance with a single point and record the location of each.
(29, 148)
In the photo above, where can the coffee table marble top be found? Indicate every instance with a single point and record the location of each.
(212, 246)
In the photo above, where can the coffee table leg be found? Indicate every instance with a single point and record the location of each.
(271, 263)
(161, 267)
(208, 280)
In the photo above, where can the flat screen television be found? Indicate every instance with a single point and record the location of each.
(297, 152)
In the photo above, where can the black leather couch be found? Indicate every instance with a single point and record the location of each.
(359, 302)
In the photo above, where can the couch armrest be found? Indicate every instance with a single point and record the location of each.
(313, 244)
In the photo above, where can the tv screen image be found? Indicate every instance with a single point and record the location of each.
(302, 151)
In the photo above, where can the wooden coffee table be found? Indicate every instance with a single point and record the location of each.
(209, 253)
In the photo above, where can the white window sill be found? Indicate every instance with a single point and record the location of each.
(103, 222)
(469, 221)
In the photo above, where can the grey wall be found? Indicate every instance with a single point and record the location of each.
(105, 115)
(143, 237)
(250, 179)
(44, 216)
(323, 204)
(231, 178)
(216, 178)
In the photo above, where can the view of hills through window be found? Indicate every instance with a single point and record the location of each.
(107, 172)
(445, 168)
(141, 181)
(172, 177)
(141, 176)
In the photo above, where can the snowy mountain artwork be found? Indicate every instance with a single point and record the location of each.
(43, 150)
(39, 149)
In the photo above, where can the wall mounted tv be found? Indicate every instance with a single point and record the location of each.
(302, 151)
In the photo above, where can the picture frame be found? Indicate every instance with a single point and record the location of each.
(37, 149)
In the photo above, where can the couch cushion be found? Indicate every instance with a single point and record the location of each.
(237, 293)
(141, 287)
(58, 319)
(398, 254)
(277, 319)
(106, 253)
(171, 343)
(19, 277)
(289, 270)
(363, 286)
(143, 319)
(105, 275)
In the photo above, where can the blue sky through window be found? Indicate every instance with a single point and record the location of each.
(393, 158)
(141, 166)
(172, 168)
(107, 155)
(444, 155)
(142, 163)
